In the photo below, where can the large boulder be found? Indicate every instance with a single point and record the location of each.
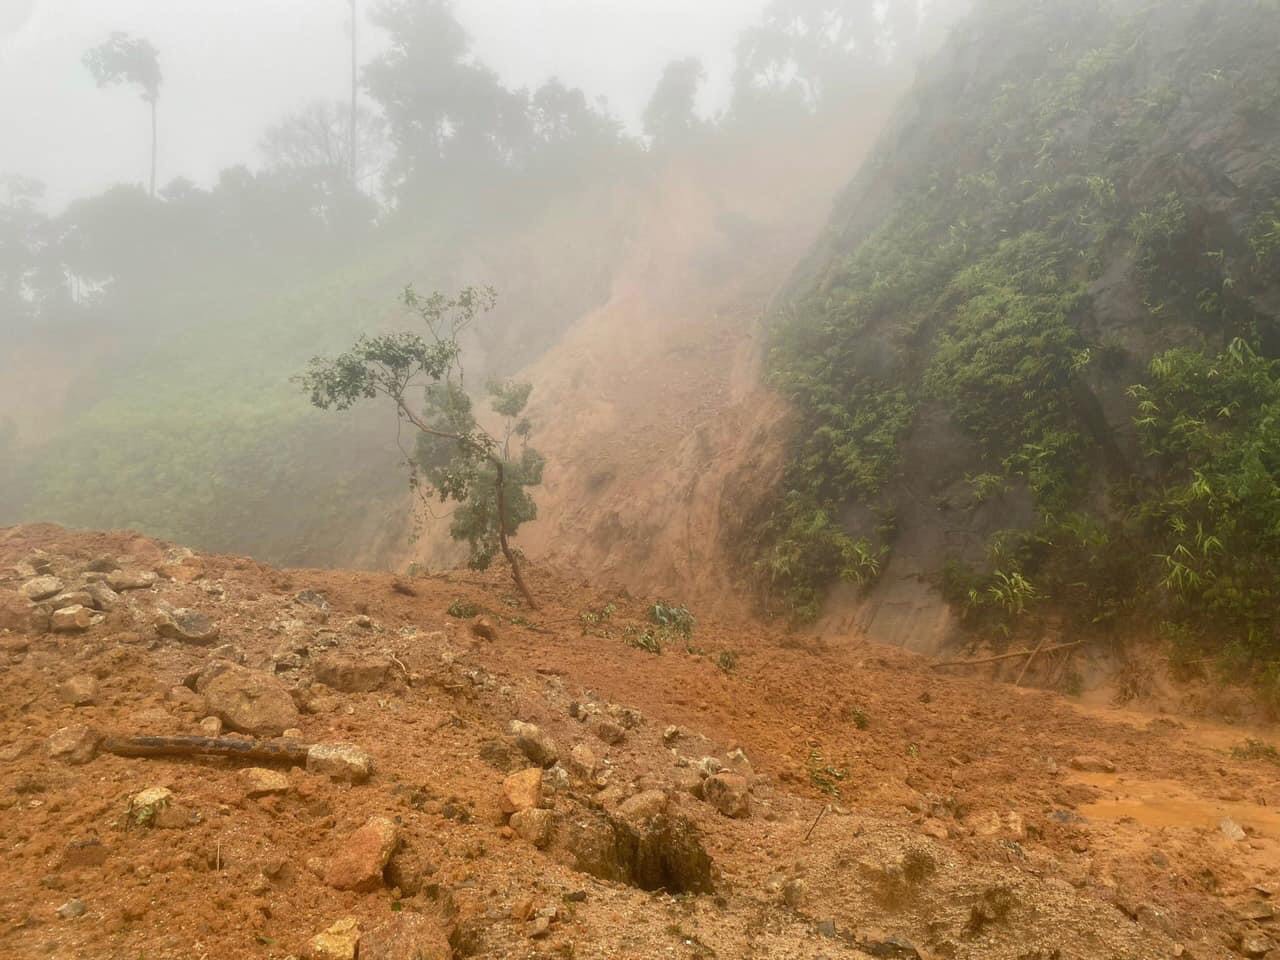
(74, 745)
(189, 626)
(535, 743)
(41, 588)
(121, 580)
(80, 690)
(728, 793)
(340, 761)
(363, 857)
(250, 702)
(522, 791)
(74, 619)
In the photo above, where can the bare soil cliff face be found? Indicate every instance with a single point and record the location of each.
(658, 431)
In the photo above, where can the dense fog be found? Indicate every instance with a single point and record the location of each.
(195, 198)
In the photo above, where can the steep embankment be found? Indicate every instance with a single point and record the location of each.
(1032, 358)
(658, 432)
(868, 807)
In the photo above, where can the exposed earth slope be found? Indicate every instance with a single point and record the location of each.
(964, 819)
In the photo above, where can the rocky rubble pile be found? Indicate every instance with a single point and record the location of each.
(201, 757)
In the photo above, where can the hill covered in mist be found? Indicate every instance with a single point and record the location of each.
(152, 338)
(1034, 359)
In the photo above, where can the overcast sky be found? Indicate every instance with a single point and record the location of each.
(231, 67)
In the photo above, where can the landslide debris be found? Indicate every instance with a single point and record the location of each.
(463, 803)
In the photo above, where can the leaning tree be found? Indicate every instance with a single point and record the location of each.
(455, 458)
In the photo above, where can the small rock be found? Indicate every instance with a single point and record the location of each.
(185, 698)
(670, 735)
(228, 651)
(610, 732)
(261, 782)
(533, 825)
(1257, 910)
(72, 619)
(728, 793)
(522, 909)
(311, 598)
(406, 936)
(188, 626)
(101, 596)
(1231, 830)
(363, 857)
(739, 763)
(986, 824)
(1255, 944)
(407, 870)
(644, 806)
(186, 570)
(709, 766)
(535, 743)
(522, 791)
(74, 745)
(340, 761)
(1092, 764)
(71, 909)
(826, 928)
(339, 942)
(211, 727)
(41, 588)
(935, 828)
(540, 928)
(583, 762)
(146, 806)
(122, 580)
(350, 674)
(79, 691)
(72, 598)
(483, 628)
(293, 733)
(794, 893)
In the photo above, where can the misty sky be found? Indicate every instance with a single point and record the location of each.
(231, 67)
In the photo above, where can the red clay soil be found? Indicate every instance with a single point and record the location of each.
(895, 811)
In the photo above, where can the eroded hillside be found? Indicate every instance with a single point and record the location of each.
(660, 435)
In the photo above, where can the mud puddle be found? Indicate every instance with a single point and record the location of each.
(1164, 803)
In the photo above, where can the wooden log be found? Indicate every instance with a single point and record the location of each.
(1031, 659)
(261, 751)
(1004, 656)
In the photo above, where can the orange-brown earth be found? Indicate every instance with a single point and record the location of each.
(894, 811)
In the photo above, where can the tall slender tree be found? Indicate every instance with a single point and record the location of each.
(354, 133)
(133, 60)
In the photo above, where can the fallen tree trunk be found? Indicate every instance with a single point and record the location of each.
(263, 751)
(1004, 656)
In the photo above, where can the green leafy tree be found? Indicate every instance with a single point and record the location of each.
(132, 60)
(456, 458)
(670, 117)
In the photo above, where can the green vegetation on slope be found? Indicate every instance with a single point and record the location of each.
(1092, 149)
